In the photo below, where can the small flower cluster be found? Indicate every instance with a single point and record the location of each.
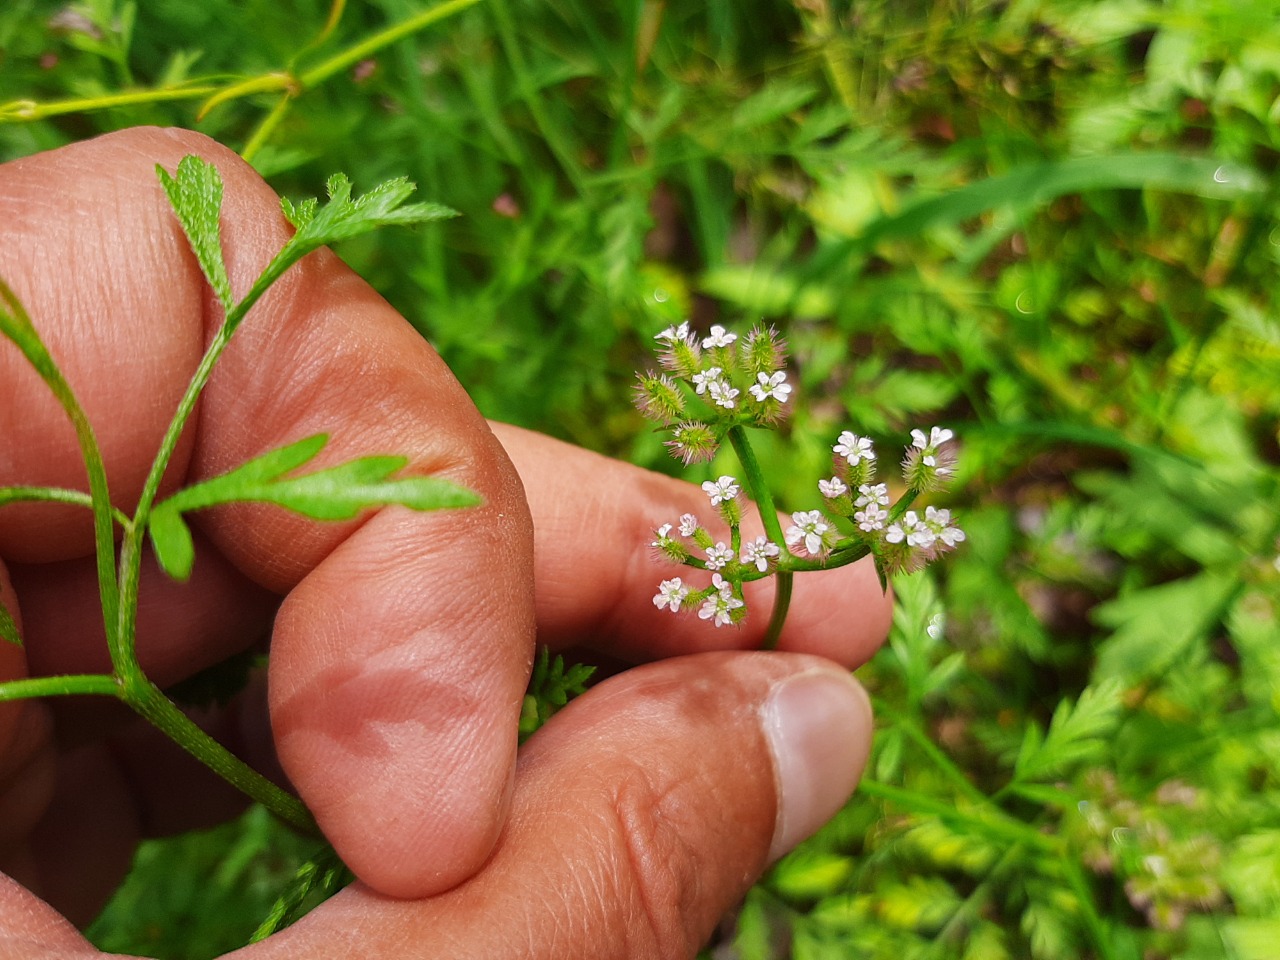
(901, 539)
(734, 383)
(708, 384)
(731, 563)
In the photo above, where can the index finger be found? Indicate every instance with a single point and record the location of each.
(596, 576)
(401, 651)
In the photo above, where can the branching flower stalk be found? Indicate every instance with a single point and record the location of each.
(713, 388)
(334, 493)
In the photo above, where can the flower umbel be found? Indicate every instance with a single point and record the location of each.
(711, 388)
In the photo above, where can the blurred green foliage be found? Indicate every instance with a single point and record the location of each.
(1047, 224)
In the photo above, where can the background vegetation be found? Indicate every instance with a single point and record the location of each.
(1047, 224)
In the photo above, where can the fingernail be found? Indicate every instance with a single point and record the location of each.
(818, 725)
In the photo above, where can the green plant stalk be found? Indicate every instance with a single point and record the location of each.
(143, 696)
(511, 45)
(75, 498)
(24, 111)
(266, 128)
(930, 750)
(30, 110)
(1097, 929)
(971, 906)
(998, 824)
(66, 685)
(823, 33)
(150, 703)
(759, 490)
(22, 332)
(367, 48)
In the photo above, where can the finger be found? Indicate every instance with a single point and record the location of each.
(401, 653)
(182, 628)
(642, 814)
(596, 575)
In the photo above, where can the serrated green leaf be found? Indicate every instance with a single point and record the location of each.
(171, 538)
(551, 686)
(1076, 733)
(334, 493)
(195, 194)
(8, 627)
(299, 214)
(343, 218)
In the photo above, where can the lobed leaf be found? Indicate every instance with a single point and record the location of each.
(195, 194)
(334, 493)
(343, 218)
(1076, 733)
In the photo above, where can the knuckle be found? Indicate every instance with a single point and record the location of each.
(661, 866)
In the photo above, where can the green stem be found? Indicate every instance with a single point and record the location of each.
(267, 127)
(25, 111)
(75, 498)
(367, 48)
(930, 750)
(994, 823)
(1097, 928)
(753, 477)
(66, 685)
(17, 326)
(150, 703)
(781, 603)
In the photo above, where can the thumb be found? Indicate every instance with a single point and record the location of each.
(642, 813)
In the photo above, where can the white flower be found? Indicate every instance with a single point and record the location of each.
(672, 334)
(704, 379)
(721, 604)
(722, 393)
(937, 437)
(758, 552)
(869, 494)
(832, 488)
(726, 488)
(939, 523)
(718, 338)
(809, 527)
(718, 556)
(688, 524)
(671, 593)
(872, 518)
(911, 530)
(854, 448)
(663, 538)
(771, 386)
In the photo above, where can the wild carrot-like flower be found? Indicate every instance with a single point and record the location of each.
(718, 556)
(671, 593)
(854, 448)
(718, 491)
(835, 487)
(759, 552)
(812, 530)
(720, 606)
(771, 387)
(710, 389)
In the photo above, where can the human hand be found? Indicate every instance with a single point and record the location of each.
(402, 644)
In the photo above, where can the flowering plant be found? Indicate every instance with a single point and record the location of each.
(711, 389)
